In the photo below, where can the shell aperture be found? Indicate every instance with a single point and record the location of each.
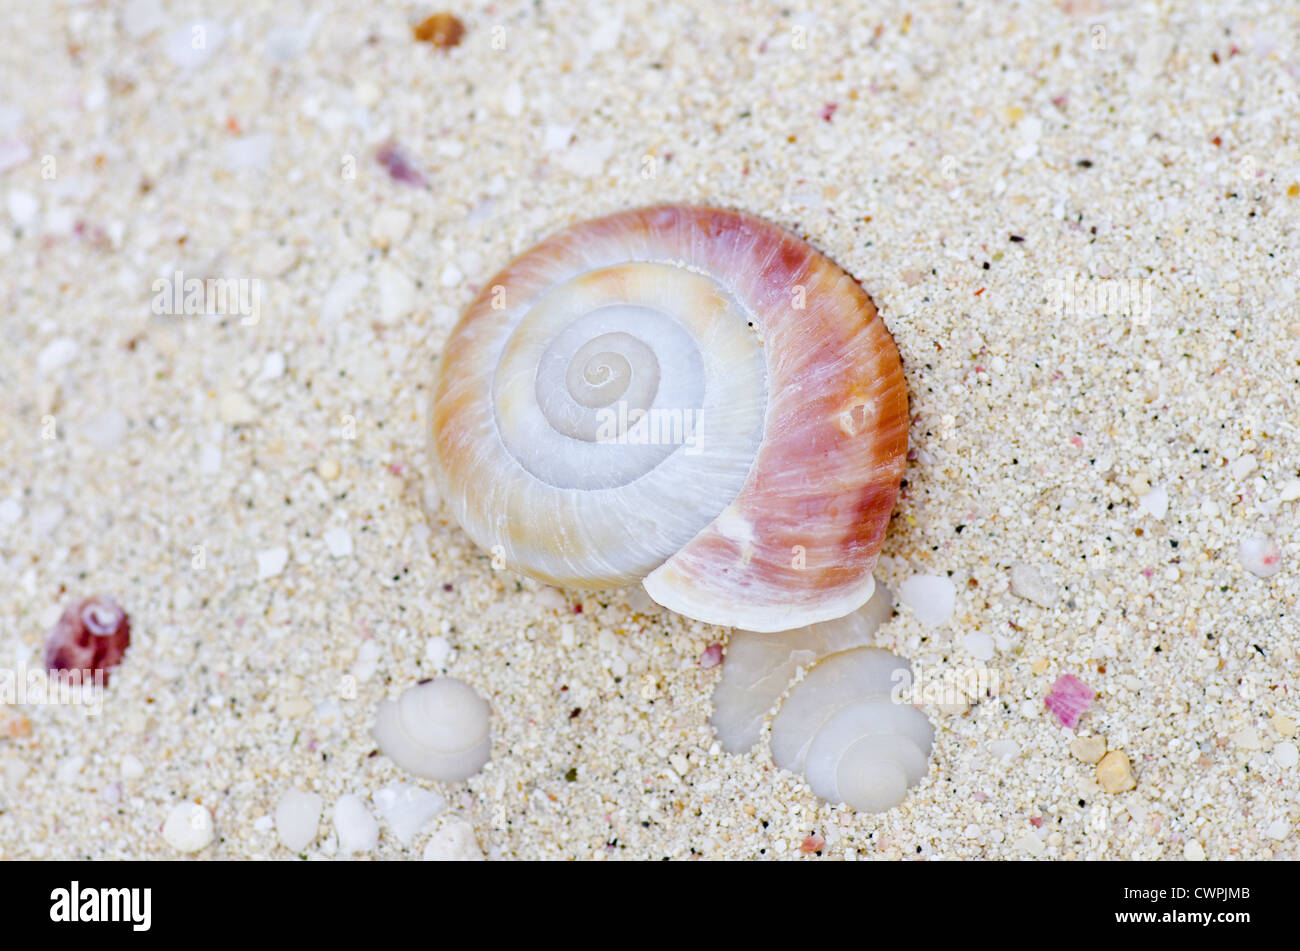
(684, 396)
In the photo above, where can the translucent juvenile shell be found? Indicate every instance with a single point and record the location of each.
(845, 725)
(437, 729)
(684, 396)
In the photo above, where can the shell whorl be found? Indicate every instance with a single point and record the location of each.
(684, 396)
(840, 726)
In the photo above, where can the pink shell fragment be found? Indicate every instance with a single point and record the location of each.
(90, 637)
(711, 657)
(399, 165)
(814, 843)
(1069, 699)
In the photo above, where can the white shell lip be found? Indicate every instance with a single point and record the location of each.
(761, 619)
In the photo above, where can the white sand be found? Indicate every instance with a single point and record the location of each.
(180, 444)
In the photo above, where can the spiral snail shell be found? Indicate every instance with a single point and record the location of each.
(841, 725)
(684, 396)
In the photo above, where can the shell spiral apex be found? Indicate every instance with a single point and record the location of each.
(684, 396)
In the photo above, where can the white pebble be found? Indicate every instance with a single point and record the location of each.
(340, 294)
(142, 17)
(551, 599)
(407, 809)
(1155, 503)
(437, 650)
(248, 153)
(236, 409)
(978, 645)
(47, 518)
(454, 842)
(338, 541)
(1286, 755)
(512, 100)
(1291, 491)
(188, 827)
(70, 769)
(1260, 556)
(297, 817)
(1032, 844)
(1029, 583)
(389, 226)
(450, 276)
(107, 429)
(1242, 466)
(357, 829)
(24, 208)
(932, 598)
(209, 459)
(271, 562)
(272, 366)
(291, 40)
(1279, 829)
(1193, 851)
(56, 353)
(131, 767)
(11, 510)
(396, 294)
(1004, 749)
(367, 661)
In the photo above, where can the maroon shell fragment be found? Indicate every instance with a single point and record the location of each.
(91, 637)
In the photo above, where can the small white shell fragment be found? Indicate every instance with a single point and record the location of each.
(338, 541)
(297, 817)
(272, 366)
(396, 294)
(551, 599)
(340, 294)
(1286, 755)
(1260, 556)
(357, 829)
(979, 645)
(1029, 583)
(437, 729)
(1242, 466)
(389, 226)
(236, 409)
(1290, 491)
(271, 561)
(1155, 503)
(1193, 851)
(248, 153)
(454, 842)
(131, 766)
(188, 827)
(107, 429)
(437, 650)
(1278, 829)
(407, 809)
(932, 598)
(56, 353)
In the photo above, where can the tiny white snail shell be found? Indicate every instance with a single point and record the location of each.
(437, 729)
(840, 725)
(684, 396)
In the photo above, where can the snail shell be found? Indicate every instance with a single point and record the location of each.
(839, 725)
(684, 396)
(437, 729)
